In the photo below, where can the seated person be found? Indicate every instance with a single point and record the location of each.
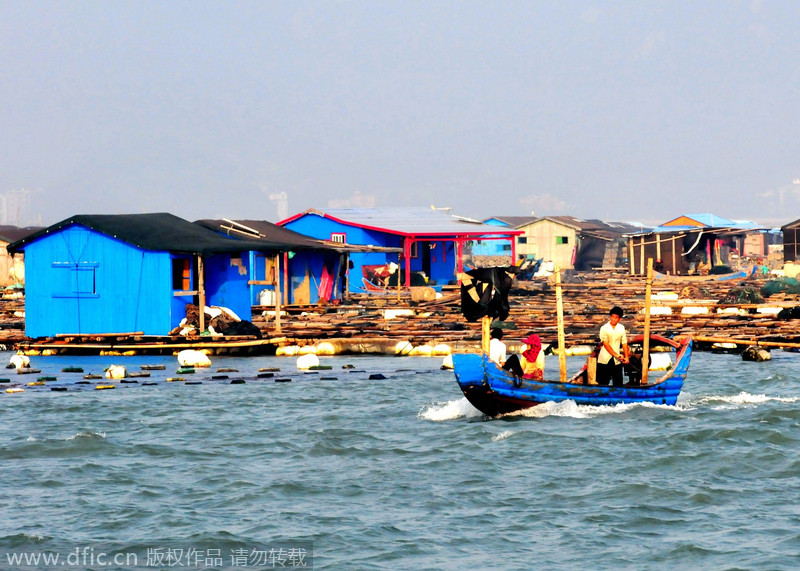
(633, 368)
(529, 365)
(497, 349)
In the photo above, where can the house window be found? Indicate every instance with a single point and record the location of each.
(182, 274)
(522, 240)
(339, 237)
(562, 239)
(506, 247)
(414, 249)
(81, 280)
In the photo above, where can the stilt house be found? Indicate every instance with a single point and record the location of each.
(135, 273)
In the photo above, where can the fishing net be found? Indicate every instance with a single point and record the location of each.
(781, 285)
(743, 295)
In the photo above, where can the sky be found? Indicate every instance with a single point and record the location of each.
(619, 110)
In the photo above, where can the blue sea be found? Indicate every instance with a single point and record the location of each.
(334, 470)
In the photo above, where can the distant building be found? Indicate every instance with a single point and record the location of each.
(694, 243)
(572, 243)
(495, 248)
(12, 269)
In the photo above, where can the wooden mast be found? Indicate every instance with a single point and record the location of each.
(562, 349)
(647, 293)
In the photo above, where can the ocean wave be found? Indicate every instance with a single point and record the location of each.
(87, 435)
(502, 435)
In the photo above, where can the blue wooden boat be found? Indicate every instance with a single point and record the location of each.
(494, 391)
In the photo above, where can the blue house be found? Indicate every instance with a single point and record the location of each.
(134, 273)
(431, 241)
(500, 247)
(308, 270)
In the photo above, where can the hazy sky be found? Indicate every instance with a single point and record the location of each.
(619, 110)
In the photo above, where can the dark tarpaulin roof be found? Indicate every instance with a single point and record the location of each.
(267, 231)
(160, 232)
(277, 237)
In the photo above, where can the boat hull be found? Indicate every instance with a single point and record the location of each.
(494, 391)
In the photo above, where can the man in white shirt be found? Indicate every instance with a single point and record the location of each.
(497, 349)
(614, 352)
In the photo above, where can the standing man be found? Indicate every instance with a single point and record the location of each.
(614, 352)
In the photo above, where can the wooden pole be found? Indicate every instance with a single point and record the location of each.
(399, 261)
(631, 257)
(674, 261)
(201, 293)
(647, 293)
(562, 344)
(278, 292)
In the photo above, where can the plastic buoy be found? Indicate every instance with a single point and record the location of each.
(193, 358)
(116, 372)
(307, 361)
(376, 376)
(15, 390)
(104, 387)
(20, 361)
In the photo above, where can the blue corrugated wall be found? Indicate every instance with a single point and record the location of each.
(81, 281)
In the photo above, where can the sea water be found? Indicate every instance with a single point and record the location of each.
(339, 471)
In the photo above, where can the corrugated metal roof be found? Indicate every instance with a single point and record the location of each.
(416, 221)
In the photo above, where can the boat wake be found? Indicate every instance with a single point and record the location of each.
(718, 402)
(571, 409)
(450, 410)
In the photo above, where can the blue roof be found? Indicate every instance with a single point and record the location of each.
(410, 221)
(711, 220)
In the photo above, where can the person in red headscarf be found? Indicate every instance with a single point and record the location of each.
(529, 365)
